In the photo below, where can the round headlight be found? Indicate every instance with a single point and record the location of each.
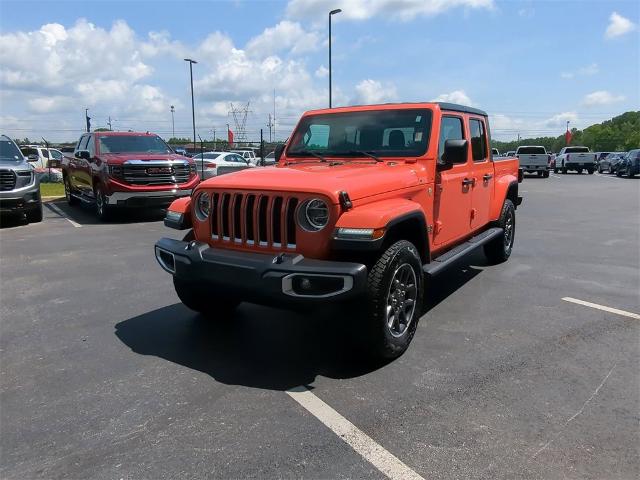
(203, 205)
(315, 215)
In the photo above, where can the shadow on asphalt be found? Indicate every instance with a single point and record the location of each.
(84, 214)
(264, 347)
(12, 220)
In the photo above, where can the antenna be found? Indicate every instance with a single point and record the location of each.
(240, 120)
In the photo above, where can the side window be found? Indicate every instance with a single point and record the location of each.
(91, 146)
(478, 140)
(450, 129)
(45, 152)
(82, 144)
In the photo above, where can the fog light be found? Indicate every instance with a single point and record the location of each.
(305, 283)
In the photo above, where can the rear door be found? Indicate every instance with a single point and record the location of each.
(482, 172)
(452, 199)
(74, 163)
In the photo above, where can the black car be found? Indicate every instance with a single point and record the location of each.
(629, 165)
(609, 163)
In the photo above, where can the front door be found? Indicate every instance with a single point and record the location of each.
(452, 199)
(482, 173)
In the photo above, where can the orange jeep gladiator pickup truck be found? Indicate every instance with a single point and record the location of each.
(363, 203)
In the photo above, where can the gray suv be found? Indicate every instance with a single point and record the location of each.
(19, 185)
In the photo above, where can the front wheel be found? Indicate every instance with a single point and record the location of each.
(618, 172)
(590, 170)
(211, 305)
(499, 249)
(395, 292)
(102, 208)
(35, 215)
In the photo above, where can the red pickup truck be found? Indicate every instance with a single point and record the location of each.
(364, 202)
(126, 169)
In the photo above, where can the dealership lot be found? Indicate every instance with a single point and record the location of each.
(105, 374)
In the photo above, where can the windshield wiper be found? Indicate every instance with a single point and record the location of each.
(362, 152)
(309, 152)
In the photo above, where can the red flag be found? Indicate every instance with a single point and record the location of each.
(230, 136)
(567, 137)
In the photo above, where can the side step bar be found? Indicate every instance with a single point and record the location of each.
(447, 259)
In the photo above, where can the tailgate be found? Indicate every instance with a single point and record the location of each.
(534, 159)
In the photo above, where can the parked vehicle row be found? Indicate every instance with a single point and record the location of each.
(620, 163)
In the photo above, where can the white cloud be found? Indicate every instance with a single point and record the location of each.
(600, 98)
(322, 71)
(363, 9)
(526, 12)
(457, 96)
(286, 35)
(586, 71)
(560, 120)
(372, 91)
(57, 103)
(618, 25)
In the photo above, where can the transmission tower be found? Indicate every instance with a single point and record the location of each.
(240, 120)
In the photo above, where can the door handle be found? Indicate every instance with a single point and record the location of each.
(487, 177)
(468, 181)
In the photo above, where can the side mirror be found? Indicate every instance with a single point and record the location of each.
(84, 154)
(455, 151)
(32, 158)
(278, 151)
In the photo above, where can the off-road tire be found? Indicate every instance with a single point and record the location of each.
(34, 215)
(210, 305)
(71, 200)
(103, 210)
(384, 340)
(499, 250)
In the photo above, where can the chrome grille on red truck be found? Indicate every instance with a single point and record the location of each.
(254, 219)
(156, 173)
(7, 180)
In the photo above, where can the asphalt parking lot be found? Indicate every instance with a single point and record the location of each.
(106, 375)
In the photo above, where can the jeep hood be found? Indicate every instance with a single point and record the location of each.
(357, 179)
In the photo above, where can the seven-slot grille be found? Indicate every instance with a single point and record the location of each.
(7, 180)
(156, 173)
(254, 219)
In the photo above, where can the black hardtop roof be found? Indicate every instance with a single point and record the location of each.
(461, 108)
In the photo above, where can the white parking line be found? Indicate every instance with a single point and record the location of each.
(380, 458)
(62, 214)
(602, 307)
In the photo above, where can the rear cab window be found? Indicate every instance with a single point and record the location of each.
(576, 150)
(531, 151)
(478, 135)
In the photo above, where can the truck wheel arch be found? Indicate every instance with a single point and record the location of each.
(504, 190)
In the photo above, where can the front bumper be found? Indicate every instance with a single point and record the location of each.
(20, 200)
(261, 278)
(145, 199)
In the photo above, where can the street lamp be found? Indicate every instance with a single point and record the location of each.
(331, 13)
(193, 110)
(173, 123)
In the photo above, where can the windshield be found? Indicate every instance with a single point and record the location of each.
(9, 151)
(386, 133)
(531, 151)
(133, 144)
(577, 150)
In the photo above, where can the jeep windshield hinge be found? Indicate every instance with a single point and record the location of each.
(345, 201)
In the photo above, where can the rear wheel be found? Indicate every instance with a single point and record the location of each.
(564, 170)
(499, 250)
(71, 200)
(590, 170)
(545, 174)
(203, 301)
(395, 292)
(618, 172)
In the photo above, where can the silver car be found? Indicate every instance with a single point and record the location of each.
(19, 185)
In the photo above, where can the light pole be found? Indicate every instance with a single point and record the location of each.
(173, 123)
(331, 13)
(193, 109)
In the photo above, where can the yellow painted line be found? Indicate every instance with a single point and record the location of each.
(375, 454)
(604, 308)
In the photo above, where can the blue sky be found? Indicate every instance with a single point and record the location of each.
(531, 64)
